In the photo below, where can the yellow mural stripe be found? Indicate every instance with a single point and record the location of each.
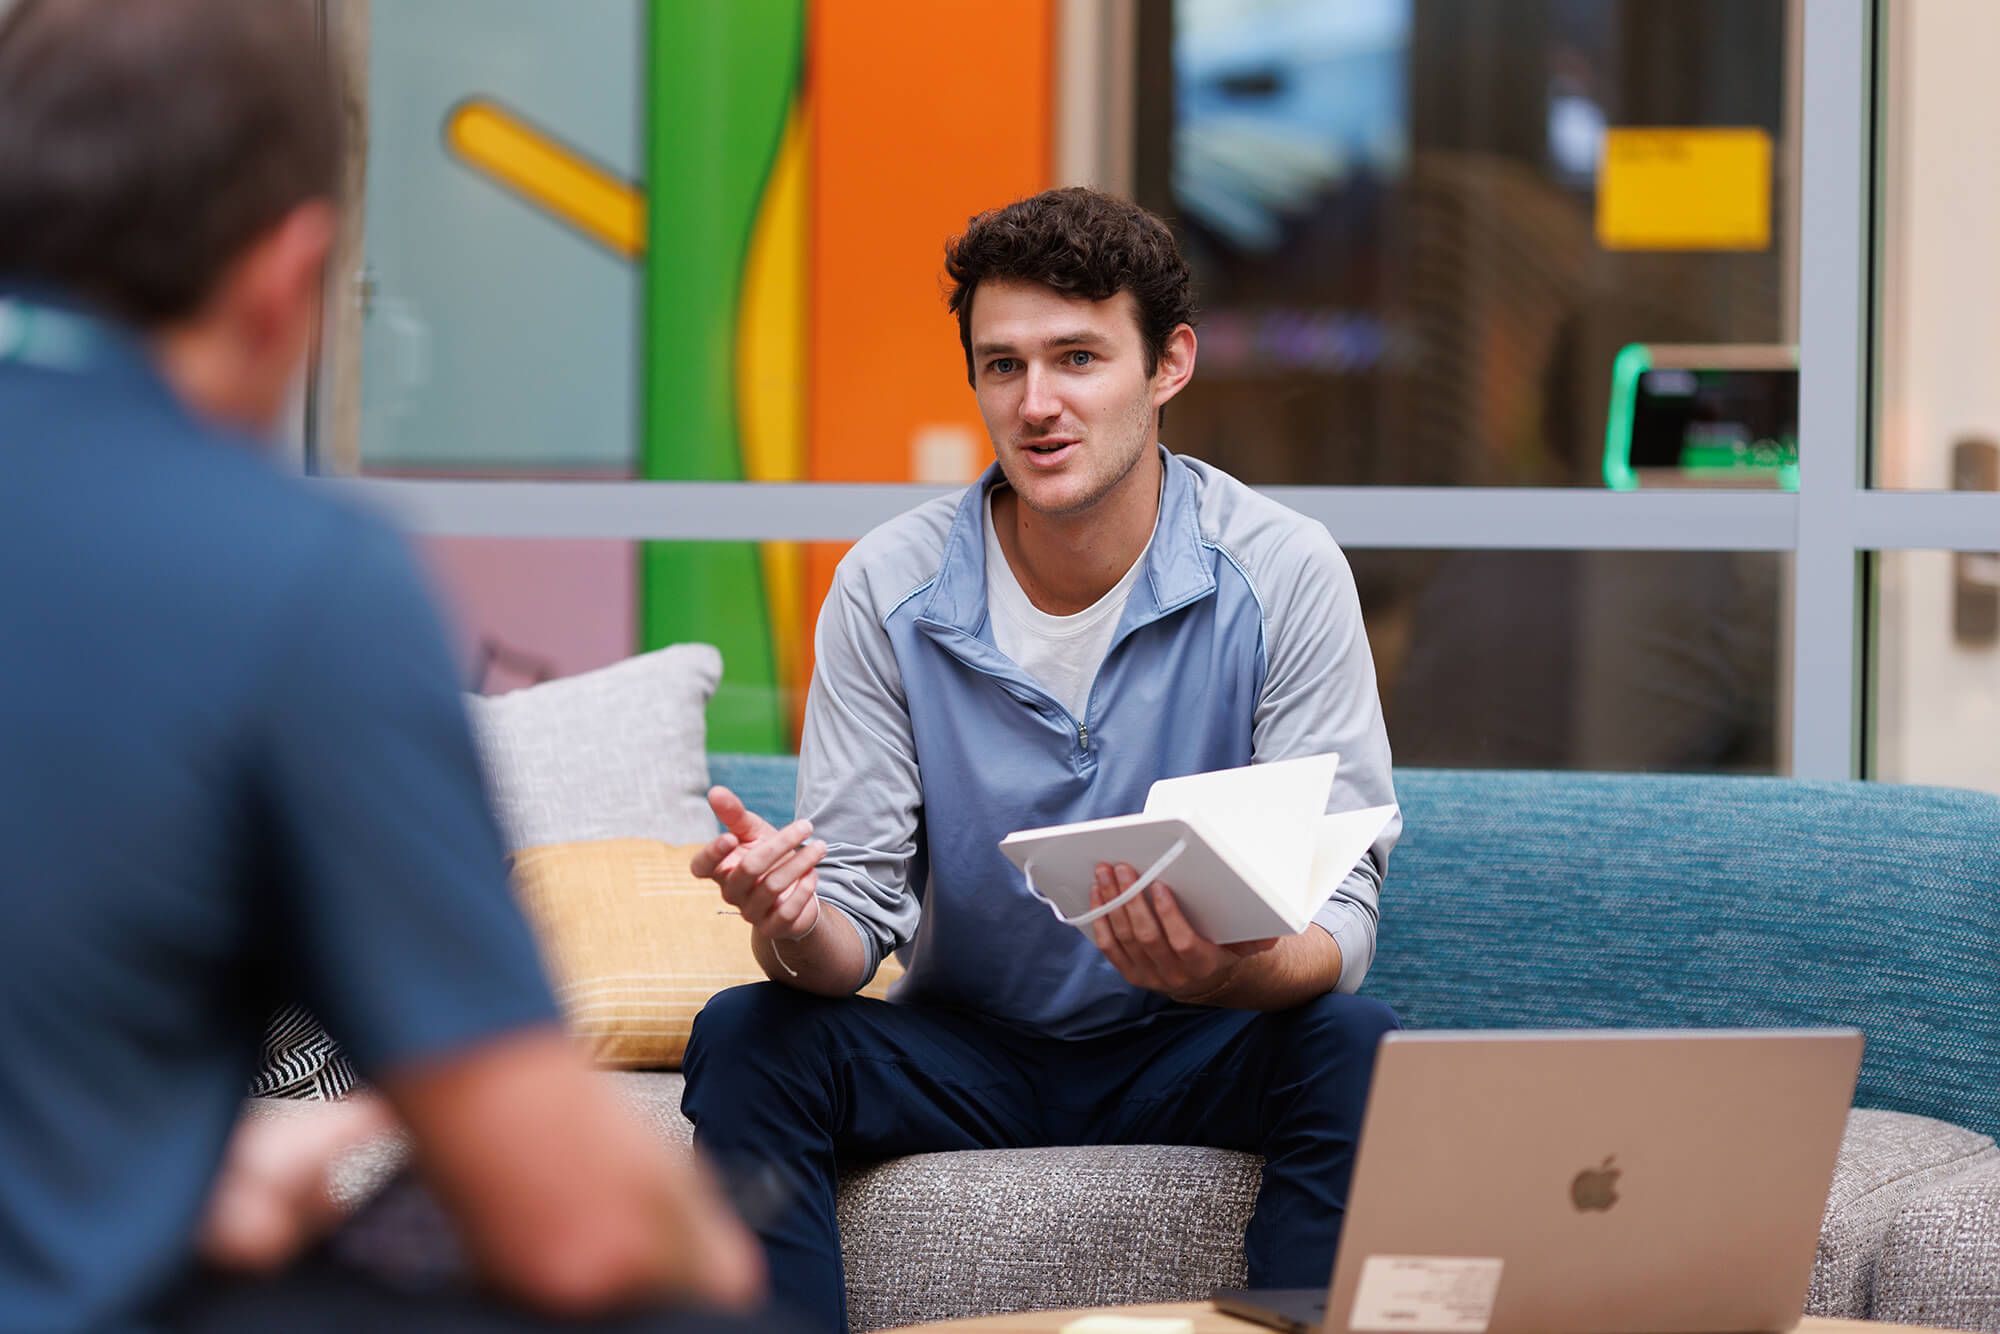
(771, 384)
(771, 321)
(549, 174)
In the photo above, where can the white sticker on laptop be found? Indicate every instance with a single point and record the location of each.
(1428, 1294)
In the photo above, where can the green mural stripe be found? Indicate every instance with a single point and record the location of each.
(713, 593)
(721, 79)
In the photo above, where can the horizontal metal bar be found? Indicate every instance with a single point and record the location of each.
(1359, 517)
(672, 511)
(1927, 521)
(1534, 518)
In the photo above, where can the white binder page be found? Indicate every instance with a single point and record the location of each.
(1265, 814)
(1341, 841)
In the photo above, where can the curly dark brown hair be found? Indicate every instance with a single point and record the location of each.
(1081, 243)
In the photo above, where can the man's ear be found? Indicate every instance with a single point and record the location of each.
(1176, 365)
(277, 281)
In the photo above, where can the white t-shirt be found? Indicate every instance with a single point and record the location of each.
(1063, 653)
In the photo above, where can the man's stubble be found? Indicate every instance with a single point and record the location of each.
(1134, 436)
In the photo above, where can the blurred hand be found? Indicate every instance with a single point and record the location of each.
(563, 1195)
(709, 1255)
(766, 874)
(270, 1199)
(1153, 945)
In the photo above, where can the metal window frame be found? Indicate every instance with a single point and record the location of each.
(1830, 525)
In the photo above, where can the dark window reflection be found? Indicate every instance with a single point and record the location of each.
(1389, 205)
(1577, 660)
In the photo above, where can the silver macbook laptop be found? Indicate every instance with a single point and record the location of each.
(1620, 1182)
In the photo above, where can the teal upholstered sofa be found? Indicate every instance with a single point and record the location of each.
(1530, 900)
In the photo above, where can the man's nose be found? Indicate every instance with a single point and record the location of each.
(1038, 397)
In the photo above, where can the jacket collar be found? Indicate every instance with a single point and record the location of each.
(45, 329)
(1177, 571)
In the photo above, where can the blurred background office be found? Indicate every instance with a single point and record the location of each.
(1524, 255)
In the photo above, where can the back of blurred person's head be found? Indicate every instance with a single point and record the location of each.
(175, 165)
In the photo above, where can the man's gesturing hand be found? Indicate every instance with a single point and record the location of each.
(1154, 946)
(765, 874)
(270, 1199)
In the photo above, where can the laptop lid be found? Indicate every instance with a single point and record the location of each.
(1625, 1182)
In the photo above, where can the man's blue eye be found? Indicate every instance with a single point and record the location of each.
(1001, 365)
(1081, 358)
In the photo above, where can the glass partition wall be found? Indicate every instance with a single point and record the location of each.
(1561, 314)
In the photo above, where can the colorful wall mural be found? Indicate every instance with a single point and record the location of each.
(782, 215)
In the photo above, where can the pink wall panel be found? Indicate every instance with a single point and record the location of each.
(526, 606)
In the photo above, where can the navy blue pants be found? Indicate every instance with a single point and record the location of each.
(777, 1075)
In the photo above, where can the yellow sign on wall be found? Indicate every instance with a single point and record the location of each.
(1681, 189)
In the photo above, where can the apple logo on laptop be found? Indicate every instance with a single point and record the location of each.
(1595, 1187)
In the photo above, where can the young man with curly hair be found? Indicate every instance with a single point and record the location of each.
(1095, 613)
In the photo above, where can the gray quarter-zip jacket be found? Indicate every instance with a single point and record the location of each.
(924, 745)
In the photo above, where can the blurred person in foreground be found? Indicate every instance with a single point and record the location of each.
(237, 770)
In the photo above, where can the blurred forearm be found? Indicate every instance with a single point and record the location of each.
(566, 1198)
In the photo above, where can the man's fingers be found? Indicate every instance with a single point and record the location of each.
(1123, 962)
(769, 851)
(1139, 913)
(792, 915)
(778, 894)
(1100, 931)
(1121, 928)
(707, 863)
(787, 872)
(1181, 936)
(1149, 940)
(738, 819)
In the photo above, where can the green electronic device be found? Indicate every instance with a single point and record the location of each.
(1689, 415)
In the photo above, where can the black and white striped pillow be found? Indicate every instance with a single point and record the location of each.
(300, 1059)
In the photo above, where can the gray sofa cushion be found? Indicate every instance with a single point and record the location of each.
(614, 753)
(655, 1095)
(937, 1235)
(1941, 1258)
(1887, 1159)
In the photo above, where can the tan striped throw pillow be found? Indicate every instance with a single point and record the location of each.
(635, 944)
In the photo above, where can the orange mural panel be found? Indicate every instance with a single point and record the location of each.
(923, 115)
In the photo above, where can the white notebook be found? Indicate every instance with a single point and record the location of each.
(1258, 855)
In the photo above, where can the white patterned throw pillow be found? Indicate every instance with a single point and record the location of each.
(299, 1060)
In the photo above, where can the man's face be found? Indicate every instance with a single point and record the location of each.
(1063, 386)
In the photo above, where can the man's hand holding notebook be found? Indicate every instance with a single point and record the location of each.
(1251, 853)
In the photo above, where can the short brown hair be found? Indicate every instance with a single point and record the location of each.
(145, 144)
(1082, 243)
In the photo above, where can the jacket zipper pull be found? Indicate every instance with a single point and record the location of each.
(1082, 737)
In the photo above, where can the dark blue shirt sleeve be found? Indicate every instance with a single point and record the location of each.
(388, 878)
